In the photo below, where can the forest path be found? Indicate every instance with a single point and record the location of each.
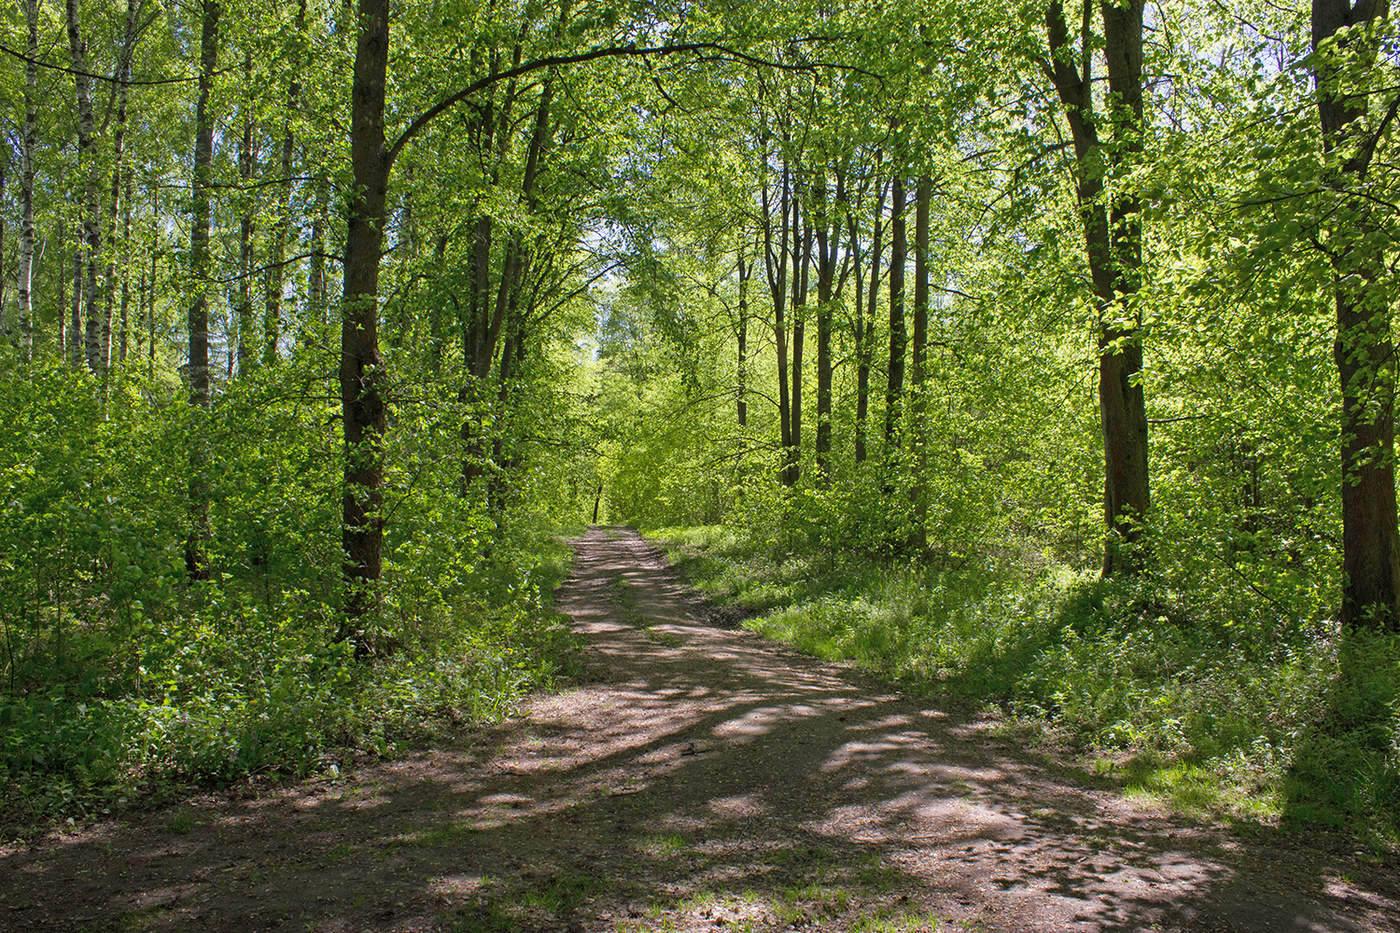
(697, 779)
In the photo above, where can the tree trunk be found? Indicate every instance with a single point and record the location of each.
(75, 306)
(29, 149)
(316, 274)
(741, 403)
(4, 176)
(1113, 244)
(865, 345)
(247, 157)
(826, 240)
(801, 267)
(151, 283)
(197, 544)
(282, 226)
(894, 387)
(62, 277)
(775, 266)
(126, 268)
(362, 376)
(109, 289)
(918, 375)
(1364, 348)
(91, 232)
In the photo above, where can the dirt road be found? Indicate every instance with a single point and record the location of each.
(697, 779)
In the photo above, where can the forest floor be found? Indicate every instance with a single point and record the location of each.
(695, 778)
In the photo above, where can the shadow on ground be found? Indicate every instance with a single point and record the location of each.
(698, 779)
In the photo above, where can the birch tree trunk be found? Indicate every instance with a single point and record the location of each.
(29, 149)
(85, 291)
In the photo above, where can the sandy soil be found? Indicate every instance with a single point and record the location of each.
(697, 778)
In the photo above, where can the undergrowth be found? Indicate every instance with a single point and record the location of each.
(1246, 718)
(122, 680)
(225, 699)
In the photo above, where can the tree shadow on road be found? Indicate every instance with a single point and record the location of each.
(706, 781)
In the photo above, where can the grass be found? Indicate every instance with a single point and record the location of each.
(1247, 718)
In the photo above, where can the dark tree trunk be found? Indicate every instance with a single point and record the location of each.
(362, 375)
(29, 147)
(894, 387)
(918, 374)
(316, 273)
(109, 288)
(124, 319)
(801, 269)
(1364, 349)
(775, 265)
(197, 542)
(826, 240)
(865, 343)
(741, 403)
(247, 359)
(1113, 243)
(85, 288)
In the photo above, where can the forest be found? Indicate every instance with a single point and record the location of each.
(1035, 356)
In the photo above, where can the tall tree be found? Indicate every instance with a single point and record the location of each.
(865, 347)
(1345, 39)
(276, 276)
(29, 146)
(197, 542)
(247, 164)
(123, 92)
(894, 385)
(362, 381)
(775, 259)
(87, 257)
(918, 373)
(1112, 227)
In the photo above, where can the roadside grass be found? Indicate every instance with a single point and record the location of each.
(1240, 718)
(272, 697)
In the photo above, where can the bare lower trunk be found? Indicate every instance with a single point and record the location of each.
(775, 266)
(197, 542)
(741, 402)
(362, 376)
(826, 242)
(1113, 246)
(918, 375)
(894, 387)
(801, 269)
(865, 345)
(126, 269)
(1364, 349)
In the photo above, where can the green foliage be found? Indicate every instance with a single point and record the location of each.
(120, 676)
